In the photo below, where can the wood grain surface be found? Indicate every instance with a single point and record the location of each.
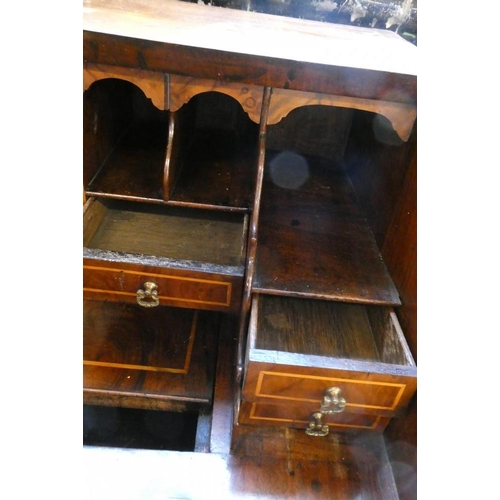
(313, 239)
(252, 33)
(158, 358)
(170, 232)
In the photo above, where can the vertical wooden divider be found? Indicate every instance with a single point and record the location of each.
(171, 166)
(252, 244)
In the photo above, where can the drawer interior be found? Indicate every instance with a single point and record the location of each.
(298, 348)
(181, 234)
(328, 329)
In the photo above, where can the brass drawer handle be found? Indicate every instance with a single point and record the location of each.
(316, 425)
(149, 296)
(332, 403)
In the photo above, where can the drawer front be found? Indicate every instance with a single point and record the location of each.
(364, 392)
(157, 358)
(119, 282)
(298, 416)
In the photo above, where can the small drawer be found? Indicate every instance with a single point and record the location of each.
(159, 358)
(160, 255)
(299, 348)
(298, 416)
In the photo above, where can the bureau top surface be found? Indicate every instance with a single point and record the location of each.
(252, 33)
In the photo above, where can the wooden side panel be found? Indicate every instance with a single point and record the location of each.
(103, 123)
(377, 161)
(400, 253)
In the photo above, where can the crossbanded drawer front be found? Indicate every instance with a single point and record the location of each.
(293, 387)
(369, 393)
(117, 284)
(156, 358)
(298, 416)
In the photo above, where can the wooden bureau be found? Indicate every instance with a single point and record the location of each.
(235, 173)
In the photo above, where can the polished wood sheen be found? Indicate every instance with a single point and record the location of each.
(158, 358)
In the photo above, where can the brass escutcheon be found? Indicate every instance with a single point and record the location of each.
(149, 296)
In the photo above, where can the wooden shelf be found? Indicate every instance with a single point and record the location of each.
(156, 358)
(313, 239)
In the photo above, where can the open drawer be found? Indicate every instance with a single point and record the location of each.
(349, 362)
(161, 255)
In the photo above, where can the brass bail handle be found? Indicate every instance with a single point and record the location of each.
(332, 403)
(148, 295)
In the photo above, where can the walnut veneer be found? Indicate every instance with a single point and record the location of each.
(222, 194)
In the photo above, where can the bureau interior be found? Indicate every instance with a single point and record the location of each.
(330, 329)
(203, 154)
(214, 159)
(184, 234)
(124, 141)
